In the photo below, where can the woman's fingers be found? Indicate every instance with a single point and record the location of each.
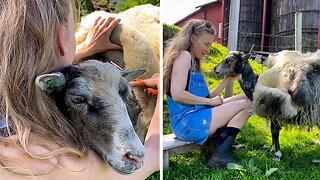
(106, 30)
(111, 25)
(134, 83)
(106, 23)
(98, 38)
(96, 21)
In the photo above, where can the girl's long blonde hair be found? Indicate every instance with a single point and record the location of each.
(28, 48)
(182, 42)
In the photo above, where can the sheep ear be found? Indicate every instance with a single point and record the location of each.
(245, 56)
(131, 75)
(51, 82)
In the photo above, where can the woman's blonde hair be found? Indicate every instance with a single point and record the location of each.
(28, 48)
(182, 42)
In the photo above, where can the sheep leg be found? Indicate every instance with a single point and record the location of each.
(275, 131)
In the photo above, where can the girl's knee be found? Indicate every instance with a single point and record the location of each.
(246, 103)
(242, 96)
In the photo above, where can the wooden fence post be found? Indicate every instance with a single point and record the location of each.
(233, 36)
(298, 32)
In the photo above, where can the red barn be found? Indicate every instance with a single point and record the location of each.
(211, 12)
(268, 24)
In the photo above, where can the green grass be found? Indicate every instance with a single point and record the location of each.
(300, 148)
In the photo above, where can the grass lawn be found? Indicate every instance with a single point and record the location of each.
(300, 147)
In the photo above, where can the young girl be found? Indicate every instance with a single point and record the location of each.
(37, 37)
(195, 113)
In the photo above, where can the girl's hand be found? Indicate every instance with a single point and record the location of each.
(152, 82)
(229, 78)
(216, 101)
(98, 38)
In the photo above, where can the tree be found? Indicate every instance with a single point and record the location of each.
(131, 3)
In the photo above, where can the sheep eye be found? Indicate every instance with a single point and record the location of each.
(78, 99)
(261, 101)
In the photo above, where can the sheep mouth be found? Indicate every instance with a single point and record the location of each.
(223, 74)
(218, 72)
(132, 160)
(129, 165)
(125, 159)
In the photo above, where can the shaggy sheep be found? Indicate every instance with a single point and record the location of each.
(286, 94)
(100, 104)
(138, 34)
(237, 64)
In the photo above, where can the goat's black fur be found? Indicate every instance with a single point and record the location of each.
(238, 65)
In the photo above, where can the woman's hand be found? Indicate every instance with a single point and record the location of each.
(222, 85)
(98, 38)
(216, 101)
(152, 82)
(229, 78)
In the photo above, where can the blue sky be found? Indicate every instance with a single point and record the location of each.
(174, 10)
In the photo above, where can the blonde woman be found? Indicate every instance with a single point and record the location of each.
(37, 36)
(196, 113)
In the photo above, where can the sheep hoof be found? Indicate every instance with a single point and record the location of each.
(275, 158)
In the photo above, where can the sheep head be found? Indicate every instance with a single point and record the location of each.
(232, 64)
(272, 102)
(96, 99)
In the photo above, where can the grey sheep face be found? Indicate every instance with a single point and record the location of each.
(266, 104)
(272, 102)
(95, 98)
(231, 65)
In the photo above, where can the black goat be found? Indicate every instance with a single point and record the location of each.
(237, 64)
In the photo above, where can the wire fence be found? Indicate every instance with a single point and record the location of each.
(273, 42)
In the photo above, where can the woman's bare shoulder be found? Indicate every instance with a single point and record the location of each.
(185, 55)
(183, 60)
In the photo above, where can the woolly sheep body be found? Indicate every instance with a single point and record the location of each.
(292, 82)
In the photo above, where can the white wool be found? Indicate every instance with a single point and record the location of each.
(294, 77)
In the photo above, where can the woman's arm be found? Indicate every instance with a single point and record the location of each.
(152, 142)
(98, 39)
(179, 79)
(221, 86)
(152, 147)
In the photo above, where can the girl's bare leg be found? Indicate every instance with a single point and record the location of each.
(234, 113)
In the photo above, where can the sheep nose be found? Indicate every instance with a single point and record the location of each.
(214, 69)
(135, 159)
